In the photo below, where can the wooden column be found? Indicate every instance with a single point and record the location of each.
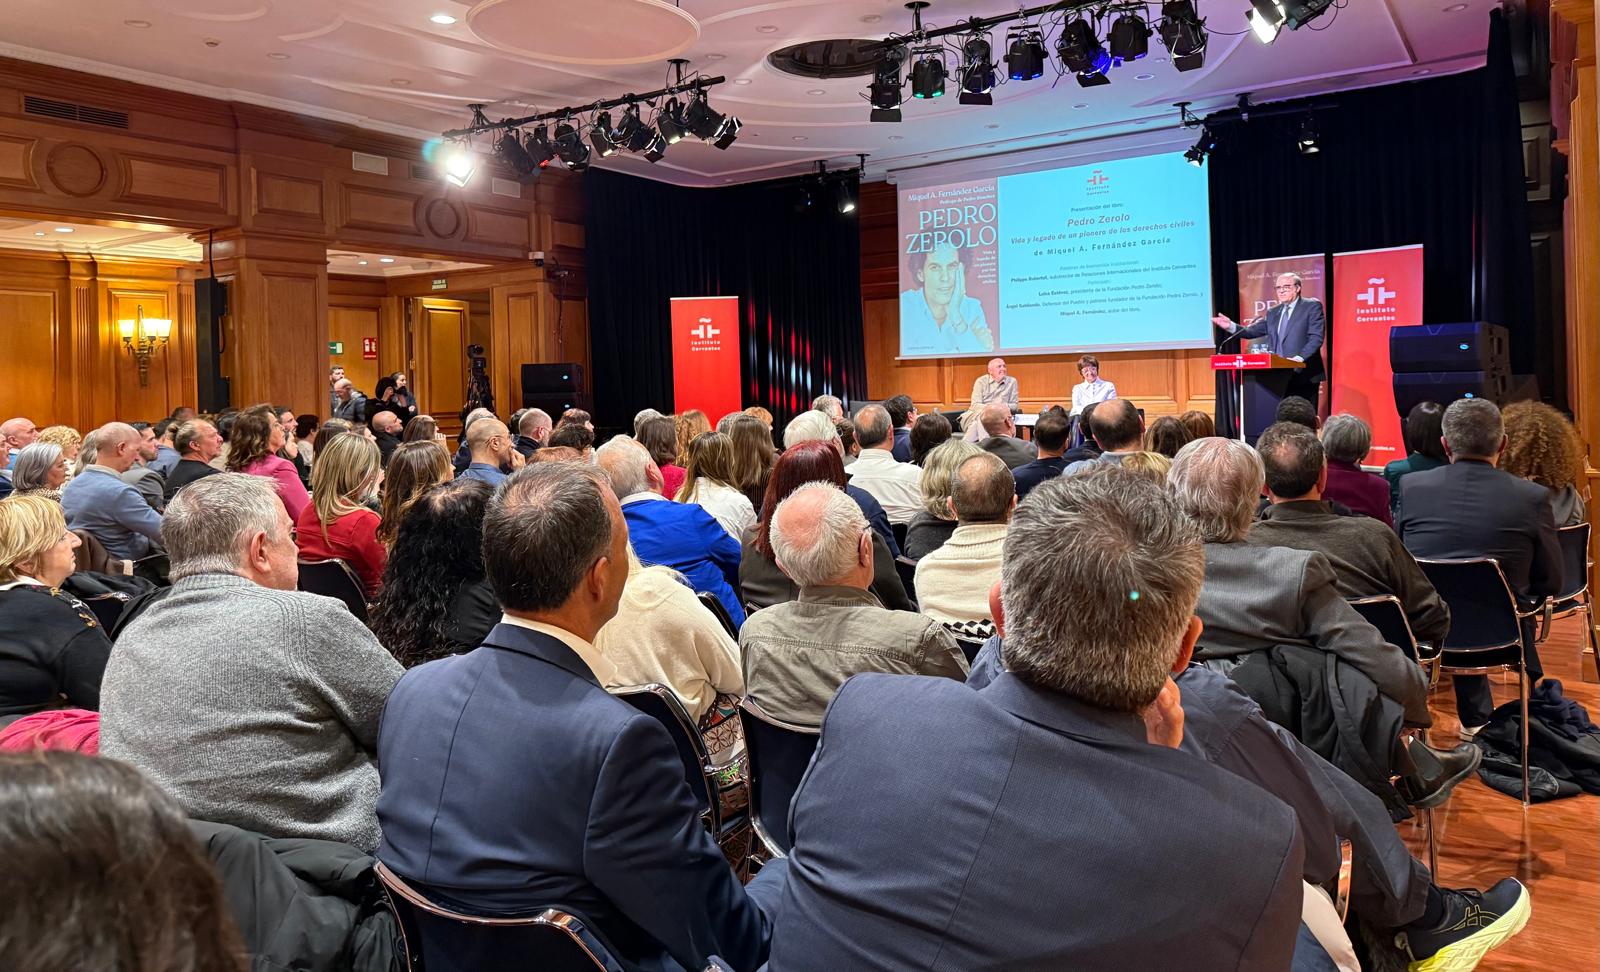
(277, 333)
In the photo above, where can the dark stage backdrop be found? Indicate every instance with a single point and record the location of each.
(798, 277)
(1436, 162)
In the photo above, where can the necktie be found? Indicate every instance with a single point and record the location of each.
(1283, 322)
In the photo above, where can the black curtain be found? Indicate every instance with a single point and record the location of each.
(797, 274)
(1436, 162)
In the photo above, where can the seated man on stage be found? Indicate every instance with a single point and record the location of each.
(994, 386)
(1293, 328)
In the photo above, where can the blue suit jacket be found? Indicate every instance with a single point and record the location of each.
(944, 828)
(686, 538)
(1301, 338)
(512, 781)
(902, 445)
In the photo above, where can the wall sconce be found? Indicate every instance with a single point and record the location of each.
(142, 337)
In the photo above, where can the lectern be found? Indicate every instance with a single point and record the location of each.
(1263, 380)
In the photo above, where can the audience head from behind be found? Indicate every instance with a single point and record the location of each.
(1218, 485)
(710, 461)
(753, 452)
(1166, 435)
(689, 425)
(184, 413)
(982, 490)
(644, 415)
(875, 428)
(996, 419)
(305, 428)
(829, 405)
(820, 538)
(564, 518)
(660, 438)
(812, 426)
(116, 879)
(68, 438)
(1473, 428)
(436, 551)
(231, 523)
(631, 467)
(1294, 462)
(1346, 438)
(345, 478)
(558, 453)
(572, 436)
(847, 438)
(938, 472)
(1154, 466)
(34, 542)
(415, 468)
(1050, 434)
(228, 416)
(1100, 578)
(1084, 418)
(1424, 431)
(801, 463)
(40, 467)
(327, 432)
(387, 423)
(1293, 408)
(1541, 445)
(256, 435)
(116, 446)
(902, 411)
(535, 424)
(928, 432)
(1116, 426)
(1199, 424)
(473, 416)
(422, 428)
(490, 443)
(761, 415)
(577, 416)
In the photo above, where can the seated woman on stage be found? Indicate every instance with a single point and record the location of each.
(1092, 388)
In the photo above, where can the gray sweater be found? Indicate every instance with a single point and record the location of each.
(252, 707)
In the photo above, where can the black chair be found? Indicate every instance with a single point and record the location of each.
(334, 578)
(907, 569)
(437, 939)
(1574, 597)
(1486, 627)
(779, 753)
(900, 530)
(721, 613)
(658, 702)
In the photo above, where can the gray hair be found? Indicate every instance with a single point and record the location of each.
(816, 532)
(188, 433)
(33, 465)
(545, 528)
(828, 405)
(1099, 578)
(872, 426)
(812, 426)
(88, 452)
(1474, 428)
(209, 523)
(1291, 274)
(938, 468)
(645, 415)
(627, 463)
(1346, 438)
(982, 489)
(1218, 484)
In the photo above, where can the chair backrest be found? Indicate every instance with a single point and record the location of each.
(658, 702)
(1388, 615)
(334, 578)
(437, 939)
(721, 613)
(907, 569)
(1483, 612)
(899, 531)
(778, 753)
(1574, 561)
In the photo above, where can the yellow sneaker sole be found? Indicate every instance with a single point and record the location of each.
(1464, 956)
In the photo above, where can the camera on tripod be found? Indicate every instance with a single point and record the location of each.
(479, 393)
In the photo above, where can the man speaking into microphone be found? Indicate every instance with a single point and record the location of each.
(1293, 329)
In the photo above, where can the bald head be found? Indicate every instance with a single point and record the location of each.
(1116, 425)
(983, 490)
(873, 428)
(535, 424)
(489, 441)
(116, 446)
(820, 537)
(386, 422)
(18, 433)
(996, 419)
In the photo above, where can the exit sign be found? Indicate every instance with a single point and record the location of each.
(336, 347)
(439, 283)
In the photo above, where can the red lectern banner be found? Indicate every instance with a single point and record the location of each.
(1374, 290)
(705, 355)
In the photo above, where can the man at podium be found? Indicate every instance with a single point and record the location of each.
(1293, 328)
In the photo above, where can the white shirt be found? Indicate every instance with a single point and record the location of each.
(730, 507)
(602, 669)
(897, 486)
(1090, 392)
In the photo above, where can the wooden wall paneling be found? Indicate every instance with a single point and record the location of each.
(91, 398)
(278, 309)
(34, 346)
(123, 300)
(288, 196)
(515, 337)
(348, 325)
(441, 330)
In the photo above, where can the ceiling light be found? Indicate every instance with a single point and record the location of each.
(703, 120)
(508, 149)
(885, 92)
(1206, 144)
(400, 82)
(442, 19)
(1183, 34)
(844, 196)
(871, 19)
(670, 120)
(715, 57)
(1266, 18)
(928, 73)
(385, 259)
(63, 229)
(741, 80)
(631, 131)
(1143, 77)
(361, 263)
(656, 149)
(138, 24)
(459, 165)
(1080, 106)
(569, 146)
(1307, 142)
(278, 56)
(799, 138)
(1082, 53)
(39, 233)
(897, 138)
(1453, 8)
(977, 72)
(1024, 53)
(600, 135)
(537, 145)
(816, 91)
(1129, 39)
(767, 29)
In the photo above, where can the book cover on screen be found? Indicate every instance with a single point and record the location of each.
(949, 270)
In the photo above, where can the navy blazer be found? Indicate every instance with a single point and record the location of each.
(1014, 828)
(686, 538)
(902, 445)
(512, 781)
(1302, 338)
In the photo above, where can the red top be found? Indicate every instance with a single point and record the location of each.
(1365, 493)
(671, 479)
(353, 538)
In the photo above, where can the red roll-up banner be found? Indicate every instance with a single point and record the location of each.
(705, 355)
(1373, 290)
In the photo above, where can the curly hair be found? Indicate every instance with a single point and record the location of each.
(689, 425)
(250, 438)
(1542, 445)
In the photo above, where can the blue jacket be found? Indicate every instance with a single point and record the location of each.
(104, 505)
(512, 781)
(686, 538)
(902, 445)
(166, 460)
(482, 470)
(873, 511)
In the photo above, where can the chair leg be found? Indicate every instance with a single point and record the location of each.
(1522, 688)
(1433, 845)
(1590, 663)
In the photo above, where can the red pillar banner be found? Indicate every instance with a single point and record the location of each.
(1374, 290)
(705, 355)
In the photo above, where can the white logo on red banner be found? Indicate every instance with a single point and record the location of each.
(1376, 298)
(705, 336)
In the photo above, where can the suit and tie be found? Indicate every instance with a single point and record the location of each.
(1294, 330)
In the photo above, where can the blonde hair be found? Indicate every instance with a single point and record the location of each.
(938, 472)
(690, 425)
(760, 414)
(29, 527)
(347, 467)
(1153, 466)
(64, 436)
(1542, 445)
(710, 457)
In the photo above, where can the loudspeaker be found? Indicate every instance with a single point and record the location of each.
(210, 307)
(554, 403)
(567, 376)
(1426, 348)
(1445, 387)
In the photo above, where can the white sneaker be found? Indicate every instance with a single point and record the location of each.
(1468, 733)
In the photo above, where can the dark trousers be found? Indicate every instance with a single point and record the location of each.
(1474, 702)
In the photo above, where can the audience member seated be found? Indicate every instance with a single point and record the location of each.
(896, 485)
(166, 456)
(114, 878)
(423, 428)
(513, 782)
(1200, 424)
(488, 443)
(349, 404)
(761, 581)
(392, 395)
(753, 456)
(828, 405)
(435, 599)
(338, 521)
(574, 436)
(678, 535)
(1154, 466)
(252, 703)
(386, 431)
(291, 447)
(17, 434)
(1000, 436)
(1050, 435)
(533, 431)
(40, 469)
(815, 426)
(53, 651)
(934, 523)
(797, 654)
(1469, 508)
(1542, 446)
(1087, 448)
(708, 483)
(197, 442)
(1367, 558)
(953, 581)
(415, 468)
(928, 432)
(902, 412)
(559, 454)
(660, 438)
(1045, 783)
(325, 433)
(1346, 440)
(97, 501)
(305, 434)
(463, 455)
(644, 415)
(1293, 408)
(849, 450)
(1424, 448)
(252, 449)
(1117, 430)
(761, 415)
(1166, 435)
(139, 475)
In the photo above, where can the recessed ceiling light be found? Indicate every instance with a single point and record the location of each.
(442, 19)
(278, 56)
(715, 57)
(63, 229)
(798, 138)
(1420, 71)
(400, 82)
(871, 19)
(991, 125)
(897, 138)
(767, 29)
(816, 91)
(39, 233)
(385, 259)
(1143, 77)
(1455, 7)
(1080, 107)
(362, 262)
(1161, 60)
(741, 80)
(140, 24)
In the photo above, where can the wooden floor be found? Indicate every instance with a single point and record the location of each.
(1553, 848)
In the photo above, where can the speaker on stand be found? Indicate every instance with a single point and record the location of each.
(210, 307)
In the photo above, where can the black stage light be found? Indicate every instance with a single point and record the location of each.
(670, 121)
(1183, 34)
(537, 145)
(1266, 18)
(977, 72)
(1206, 144)
(886, 91)
(1307, 141)
(1092, 80)
(1080, 50)
(600, 135)
(845, 197)
(700, 119)
(569, 146)
(730, 132)
(1024, 53)
(656, 149)
(508, 149)
(1129, 39)
(928, 74)
(631, 132)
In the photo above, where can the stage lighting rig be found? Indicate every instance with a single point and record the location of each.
(459, 164)
(1129, 39)
(886, 91)
(1202, 148)
(1025, 52)
(730, 132)
(1268, 17)
(508, 149)
(537, 144)
(1080, 49)
(928, 73)
(670, 121)
(1183, 34)
(977, 71)
(701, 119)
(570, 147)
(1307, 141)
(600, 135)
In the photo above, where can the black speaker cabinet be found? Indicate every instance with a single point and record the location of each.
(210, 307)
(1425, 348)
(565, 377)
(1445, 387)
(554, 403)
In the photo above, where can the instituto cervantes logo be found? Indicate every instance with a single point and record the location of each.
(705, 330)
(1098, 178)
(706, 336)
(1373, 304)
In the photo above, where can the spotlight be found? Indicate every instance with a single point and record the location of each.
(600, 135)
(928, 74)
(885, 92)
(1024, 53)
(538, 147)
(802, 200)
(459, 165)
(1266, 18)
(1183, 34)
(670, 121)
(1205, 146)
(1129, 39)
(631, 132)
(1307, 140)
(844, 196)
(569, 146)
(655, 149)
(1081, 51)
(977, 72)
(701, 119)
(730, 132)
(508, 149)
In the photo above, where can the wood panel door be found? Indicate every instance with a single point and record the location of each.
(441, 337)
(347, 326)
